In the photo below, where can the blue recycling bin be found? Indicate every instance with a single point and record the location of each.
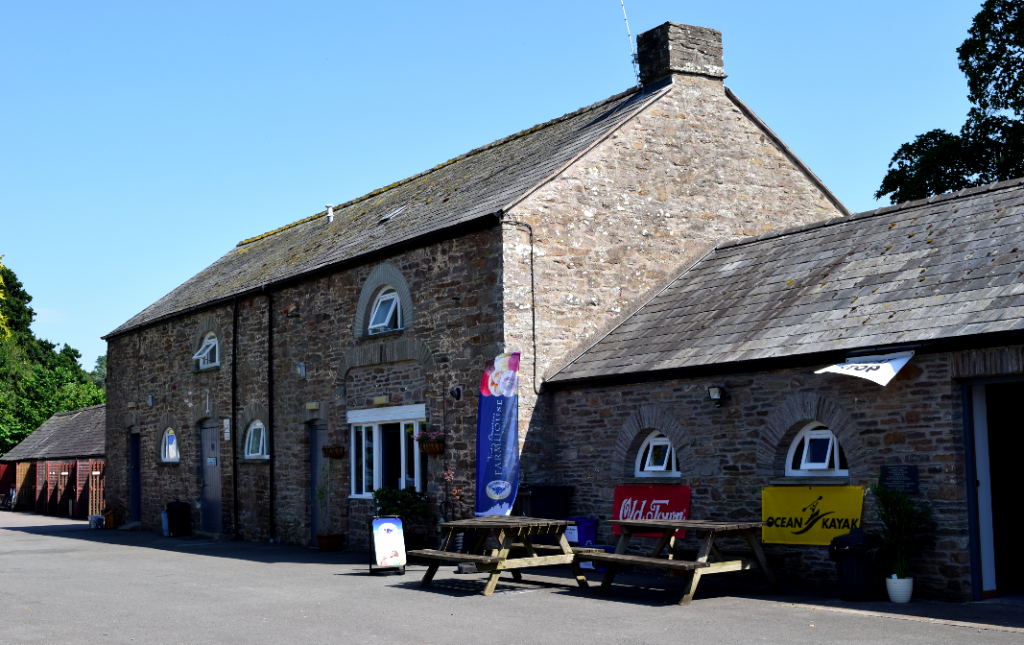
(584, 533)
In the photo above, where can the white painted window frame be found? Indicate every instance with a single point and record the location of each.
(389, 298)
(643, 468)
(371, 421)
(814, 429)
(210, 343)
(164, 452)
(263, 453)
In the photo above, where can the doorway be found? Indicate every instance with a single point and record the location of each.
(998, 442)
(211, 507)
(317, 462)
(135, 477)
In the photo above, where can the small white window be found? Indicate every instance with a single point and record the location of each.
(169, 446)
(387, 455)
(208, 354)
(815, 452)
(256, 441)
(387, 313)
(656, 457)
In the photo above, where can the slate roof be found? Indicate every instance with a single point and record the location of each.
(949, 266)
(79, 433)
(467, 188)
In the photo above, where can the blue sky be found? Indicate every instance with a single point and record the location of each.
(142, 141)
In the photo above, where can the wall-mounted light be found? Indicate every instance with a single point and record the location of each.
(301, 369)
(716, 394)
(456, 393)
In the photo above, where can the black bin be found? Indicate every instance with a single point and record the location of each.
(179, 519)
(854, 565)
(548, 501)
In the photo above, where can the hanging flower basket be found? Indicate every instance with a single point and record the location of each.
(432, 446)
(336, 451)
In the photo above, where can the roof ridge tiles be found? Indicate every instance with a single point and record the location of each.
(902, 206)
(465, 155)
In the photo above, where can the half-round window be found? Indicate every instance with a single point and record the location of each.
(169, 449)
(256, 441)
(386, 314)
(656, 457)
(209, 352)
(815, 452)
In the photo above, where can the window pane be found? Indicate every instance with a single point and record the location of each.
(367, 459)
(659, 456)
(383, 311)
(643, 458)
(798, 455)
(391, 455)
(170, 447)
(212, 357)
(410, 454)
(817, 450)
(357, 460)
(255, 440)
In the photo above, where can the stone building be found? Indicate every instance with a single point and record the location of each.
(350, 326)
(758, 318)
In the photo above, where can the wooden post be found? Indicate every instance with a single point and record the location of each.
(760, 559)
(621, 548)
(581, 579)
(694, 576)
(432, 569)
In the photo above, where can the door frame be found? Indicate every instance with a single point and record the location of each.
(971, 473)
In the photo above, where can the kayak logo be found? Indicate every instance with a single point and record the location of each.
(805, 523)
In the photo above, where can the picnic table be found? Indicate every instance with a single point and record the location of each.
(709, 558)
(515, 551)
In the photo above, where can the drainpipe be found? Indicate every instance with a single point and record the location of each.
(270, 406)
(234, 406)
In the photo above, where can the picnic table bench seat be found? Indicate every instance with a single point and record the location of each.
(642, 561)
(449, 556)
(773, 557)
(551, 548)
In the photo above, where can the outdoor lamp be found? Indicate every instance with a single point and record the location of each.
(716, 394)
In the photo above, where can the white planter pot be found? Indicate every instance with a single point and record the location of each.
(900, 589)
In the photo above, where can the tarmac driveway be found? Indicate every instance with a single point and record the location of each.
(63, 583)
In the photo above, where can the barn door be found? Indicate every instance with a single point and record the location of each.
(211, 506)
(317, 440)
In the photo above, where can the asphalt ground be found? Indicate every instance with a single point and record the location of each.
(61, 582)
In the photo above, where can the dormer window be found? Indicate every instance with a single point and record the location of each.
(209, 352)
(387, 313)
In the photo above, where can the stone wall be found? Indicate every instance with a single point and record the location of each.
(728, 454)
(630, 215)
(456, 323)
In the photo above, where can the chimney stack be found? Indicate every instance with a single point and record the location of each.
(672, 48)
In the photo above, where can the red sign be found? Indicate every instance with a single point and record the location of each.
(651, 503)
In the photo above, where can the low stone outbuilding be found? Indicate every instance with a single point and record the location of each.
(59, 468)
(351, 326)
(942, 278)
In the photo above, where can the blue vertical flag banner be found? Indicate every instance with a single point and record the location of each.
(497, 437)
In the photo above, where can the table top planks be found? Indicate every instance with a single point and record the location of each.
(506, 522)
(690, 525)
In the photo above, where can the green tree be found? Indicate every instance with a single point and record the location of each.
(990, 145)
(99, 373)
(36, 379)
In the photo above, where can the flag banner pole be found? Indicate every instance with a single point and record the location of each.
(497, 437)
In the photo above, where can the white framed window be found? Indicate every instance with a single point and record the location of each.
(656, 457)
(815, 452)
(385, 451)
(209, 352)
(256, 441)
(386, 314)
(169, 449)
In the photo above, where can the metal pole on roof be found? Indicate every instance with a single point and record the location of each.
(629, 37)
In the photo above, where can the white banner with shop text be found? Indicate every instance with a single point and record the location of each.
(881, 369)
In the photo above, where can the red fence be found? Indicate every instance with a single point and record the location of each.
(96, 502)
(25, 480)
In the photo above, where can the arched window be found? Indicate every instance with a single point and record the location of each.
(209, 352)
(656, 457)
(386, 313)
(256, 441)
(815, 452)
(169, 449)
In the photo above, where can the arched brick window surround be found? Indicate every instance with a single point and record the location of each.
(788, 419)
(382, 275)
(635, 430)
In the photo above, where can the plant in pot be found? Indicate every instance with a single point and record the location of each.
(908, 527)
(414, 509)
(430, 441)
(328, 540)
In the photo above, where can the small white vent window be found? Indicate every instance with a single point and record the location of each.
(656, 457)
(256, 441)
(169, 446)
(386, 313)
(209, 352)
(815, 452)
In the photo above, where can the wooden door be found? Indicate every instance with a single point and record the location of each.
(317, 462)
(211, 498)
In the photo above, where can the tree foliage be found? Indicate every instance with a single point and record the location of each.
(990, 145)
(36, 378)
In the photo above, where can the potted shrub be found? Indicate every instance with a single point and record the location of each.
(908, 527)
(328, 540)
(412, 507)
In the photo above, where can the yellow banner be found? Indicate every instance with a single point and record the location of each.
(809, 514)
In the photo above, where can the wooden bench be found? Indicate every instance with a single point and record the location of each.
(618, 560)
(774, 558)
(554, 549)
(448, 556)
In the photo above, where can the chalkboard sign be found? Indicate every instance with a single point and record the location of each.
(900, 477)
